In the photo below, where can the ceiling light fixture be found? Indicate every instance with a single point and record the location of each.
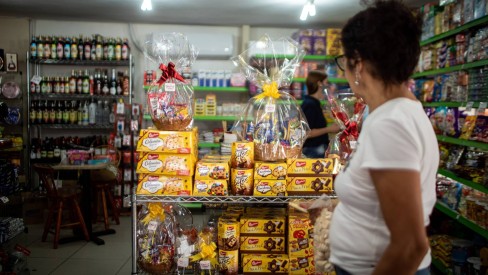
(146, 5)
(308, 9)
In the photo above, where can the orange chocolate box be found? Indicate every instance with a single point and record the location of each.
(269, 188)
(308, 185)
(262, 225)
(263, 244)
(165, 164)
(212, 170)
(271, 263)
(270, 170)
(313, 167)
(210, 188)
(164, 185)
(173, 142)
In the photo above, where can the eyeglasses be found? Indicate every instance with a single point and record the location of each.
(341, 62)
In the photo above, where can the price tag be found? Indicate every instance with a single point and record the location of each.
(4, 199)
(205, 265)
(270, 108)
(469, 106)
(120, 108)
(353, 144)
(36, 79)
(152, 226)
(183, 262)
(482, 108)
(169, 87)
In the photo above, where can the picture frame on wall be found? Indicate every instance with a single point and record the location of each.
(11, 62)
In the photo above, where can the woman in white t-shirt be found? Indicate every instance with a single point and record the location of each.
(387, 190)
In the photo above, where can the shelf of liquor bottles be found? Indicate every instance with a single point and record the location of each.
(76, 126)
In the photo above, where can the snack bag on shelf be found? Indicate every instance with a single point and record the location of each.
(170, 98)
(348, 112)
(273, 120)
(156, 239)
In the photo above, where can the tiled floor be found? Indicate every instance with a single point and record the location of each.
(79, 257)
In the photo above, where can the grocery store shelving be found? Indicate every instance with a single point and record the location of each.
(80, 62)
(204, 118)
(464, 221)
(466, 182)
(466, 66)
(463, 142)
(222, 199)
(474, 23)
(208, 145)
(449, 104)
(440, 266)
(75, 96)
(214, 89)
(75, 126)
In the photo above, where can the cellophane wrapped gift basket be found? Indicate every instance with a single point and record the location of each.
(170, 98)
(347, 109)
(273, 119)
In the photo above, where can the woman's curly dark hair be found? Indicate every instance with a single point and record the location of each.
(387, 35)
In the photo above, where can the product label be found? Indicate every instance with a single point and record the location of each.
(169, 87)
(205, 265)
(183, 262)
(153, 186)
(152, 226)
(153, 143)
(270, 108)
(152, 165)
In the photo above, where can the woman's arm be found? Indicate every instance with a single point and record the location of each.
(334, 128)
(401, 204)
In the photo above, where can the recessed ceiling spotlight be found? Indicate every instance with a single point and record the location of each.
(146, 5)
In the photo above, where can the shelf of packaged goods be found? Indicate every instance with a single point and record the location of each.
(75, 126)
(291, 56)
(466, 182)
(463, 142)
(220, 89)
(441, 267)
(81, 62)
(449, 104)
(12, 150)
(223, 199)
(214, 89)
(466, 66)
(204, 118)
(464, 221)
(474, 23)
(75, 96)
(208, 145)
(332, 80)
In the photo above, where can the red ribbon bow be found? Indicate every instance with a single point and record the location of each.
(168, 72)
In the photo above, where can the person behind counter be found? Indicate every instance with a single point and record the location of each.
(387, 190)
(318, 139)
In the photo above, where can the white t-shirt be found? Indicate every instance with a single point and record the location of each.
(397, 134)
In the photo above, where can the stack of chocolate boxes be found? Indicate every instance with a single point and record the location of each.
(212, 176)
(166, 162)
(309, 176)
(300, 243)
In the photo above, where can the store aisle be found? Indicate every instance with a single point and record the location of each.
(78, 257)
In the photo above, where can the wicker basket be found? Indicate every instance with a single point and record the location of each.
(172, 124)
(164, 268)
(271, 152)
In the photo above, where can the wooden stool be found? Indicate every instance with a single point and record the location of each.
(59, 198)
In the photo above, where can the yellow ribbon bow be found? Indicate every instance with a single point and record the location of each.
(155, 211)
(208, 250)
(269, 90)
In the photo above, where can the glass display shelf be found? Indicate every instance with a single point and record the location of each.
(466, 182)
(462, 220)
(463, 142)
(475, 23)
(80, 62)
(466, 66)
(223, 199)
